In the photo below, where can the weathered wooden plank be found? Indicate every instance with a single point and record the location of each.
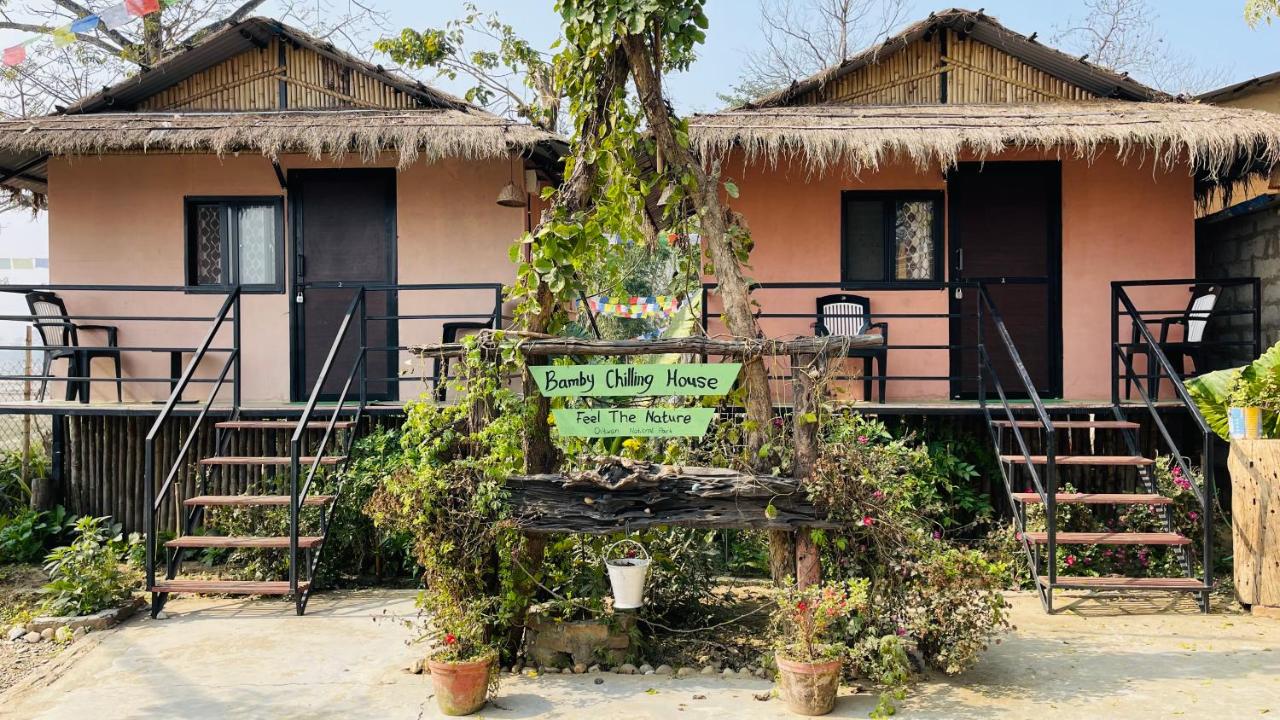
(624, 495)
(547, 346)
(1255, 520)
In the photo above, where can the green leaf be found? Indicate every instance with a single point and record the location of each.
(731, 188)
(1210, 393)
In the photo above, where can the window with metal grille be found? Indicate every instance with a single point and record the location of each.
(892, 237)
(234, 241)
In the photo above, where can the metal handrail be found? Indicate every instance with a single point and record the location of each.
(1047, 484)
(233, 360)
(1122, 305)
(298, 494)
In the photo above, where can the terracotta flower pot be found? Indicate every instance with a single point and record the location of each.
(461, 687)
(809, 688)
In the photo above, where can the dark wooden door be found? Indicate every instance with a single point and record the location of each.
(344, 237)
(1006, 233)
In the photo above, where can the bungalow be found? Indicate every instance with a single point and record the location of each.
(1017, 224)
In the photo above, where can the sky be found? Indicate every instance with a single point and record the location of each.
(1212, 32)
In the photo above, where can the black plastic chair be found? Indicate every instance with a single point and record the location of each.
(61, 339)
(440, 366)
(846, 315)
(1194, 321)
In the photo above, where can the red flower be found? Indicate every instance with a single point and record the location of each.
(1071, 560)
(802, 606)
(450, 639)
(868, 521)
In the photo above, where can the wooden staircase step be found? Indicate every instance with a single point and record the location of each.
(229, 587)
(223, 541)
(269, 460)
(1110, 538)
(1096, 499)
(1133, 460)
(1125, 583)
(252, 500)
(1073, 424)
(281, 424)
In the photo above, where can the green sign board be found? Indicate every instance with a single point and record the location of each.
(633, 422)
(683, 379)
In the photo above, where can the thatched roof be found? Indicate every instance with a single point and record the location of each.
(1220, 144)
(985, 29)
(411, 134)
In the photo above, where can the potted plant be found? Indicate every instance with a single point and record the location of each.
(810, 624)
(463, 665)
(1241, 402)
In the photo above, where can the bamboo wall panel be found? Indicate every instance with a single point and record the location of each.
(104, 460)
(976, 73)
(105, 456)
(252, 80)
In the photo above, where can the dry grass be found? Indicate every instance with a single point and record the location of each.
(1219, 145)
(429, 134)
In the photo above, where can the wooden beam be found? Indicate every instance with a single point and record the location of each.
(1275, 179)
(619, 494)
(550, 346)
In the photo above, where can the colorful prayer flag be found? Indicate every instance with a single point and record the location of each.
(141, 7)
(15, 55)
(115, 16)
(63, 36)
(85, 24)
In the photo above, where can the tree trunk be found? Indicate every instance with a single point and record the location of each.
(732, 285)
(804, 404)
(540, 451)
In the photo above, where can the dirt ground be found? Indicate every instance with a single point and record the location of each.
(18, 587)
(347, 659)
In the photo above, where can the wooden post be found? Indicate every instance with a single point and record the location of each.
(804, 370)
(26, 417)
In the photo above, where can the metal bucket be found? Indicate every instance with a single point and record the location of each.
(627, 575)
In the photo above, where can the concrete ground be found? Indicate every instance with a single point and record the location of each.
(347, 659)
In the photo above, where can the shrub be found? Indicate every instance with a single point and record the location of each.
(944, 602)
(85, 576)
(25, 537)
(15, 493)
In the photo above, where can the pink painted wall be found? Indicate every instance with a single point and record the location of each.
(1120, 222)
(119, 220)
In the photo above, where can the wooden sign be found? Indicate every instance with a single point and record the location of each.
(682, 379)
(678, 380)
(633, 422)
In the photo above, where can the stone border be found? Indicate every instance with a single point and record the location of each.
(100, 620)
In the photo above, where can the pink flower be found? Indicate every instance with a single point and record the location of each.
(862, 440)
(878, 495)
(1071, 560)
(902, 631)
(868, 521)
(1193, 516)
(777, 422)
(1017, 535)
(937, 535)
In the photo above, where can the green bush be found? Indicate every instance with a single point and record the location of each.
(25, 537)
(15, 493)
(86, 576)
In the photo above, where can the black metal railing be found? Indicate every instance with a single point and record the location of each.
(1045, 482)
(231, 309)
(358, 319)
(482, 311)
(92, 323)
(960, 348)
(1162, 370)
(299, 488)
